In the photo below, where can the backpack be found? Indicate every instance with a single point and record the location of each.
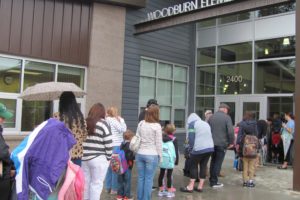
(168, 155)
(118, 162)
(250, 146)
(73, 186)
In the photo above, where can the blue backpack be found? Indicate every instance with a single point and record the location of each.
(168, 155)
(118, 162)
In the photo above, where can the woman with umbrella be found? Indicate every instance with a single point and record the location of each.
(71, 115)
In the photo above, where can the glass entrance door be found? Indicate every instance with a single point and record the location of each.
(240, 104)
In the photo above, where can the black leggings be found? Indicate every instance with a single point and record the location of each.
(169, 177)
(5, 189)
(201, 160)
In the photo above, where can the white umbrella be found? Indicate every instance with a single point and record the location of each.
(50, 91)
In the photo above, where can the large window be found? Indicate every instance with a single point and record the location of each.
(203, 104)
(280, 105)
(235, 52)
(205, 80)
(166, 82)
(276, 76)
(235, 18)
(17, 74)
(206, 55)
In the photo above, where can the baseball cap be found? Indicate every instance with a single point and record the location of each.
(224, 105)
(4, 113)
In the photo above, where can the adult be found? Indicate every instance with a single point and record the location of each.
(288, 134)
(149, 152)
(97, 150)
(247, 127)
(143, 112)
(208, 114)
(71, 115)
(118, 127)
(201, 148)
(5, 162)
(223, 137)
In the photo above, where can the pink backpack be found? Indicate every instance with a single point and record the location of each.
(73, 186)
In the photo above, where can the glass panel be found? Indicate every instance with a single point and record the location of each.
(165, 114)
(148, 67)
(280, 105)
(205, 80)
(179, 118)
(276, 76)
(277, 9)
(235, 79)
(235, 52)
(147, 89)
(179, 97)
(203, 104)
(253, 107)
(11, 106)
(280, 47)
(180, 73)
(231, 113)
(207, 23)
(71, 74)
(37, 72)
(35, 112)
(164, 92)
(10, 73)
(165, 70)
(206, 56)
(235, 18)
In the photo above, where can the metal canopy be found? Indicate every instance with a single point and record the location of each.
(206, 13)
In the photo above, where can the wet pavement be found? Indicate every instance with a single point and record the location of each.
(271, 184)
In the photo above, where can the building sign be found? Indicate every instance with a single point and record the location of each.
(183, 8)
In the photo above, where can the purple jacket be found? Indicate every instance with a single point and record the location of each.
(46, 159)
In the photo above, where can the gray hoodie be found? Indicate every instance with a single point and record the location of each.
(222, 129)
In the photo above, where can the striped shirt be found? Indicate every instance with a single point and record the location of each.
(98, 144)
(118, 127)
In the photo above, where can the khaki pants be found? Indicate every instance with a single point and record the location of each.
(249, 168)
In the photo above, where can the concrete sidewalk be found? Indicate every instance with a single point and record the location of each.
(271, 184)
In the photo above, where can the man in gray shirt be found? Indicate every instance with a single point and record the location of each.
(223, 136)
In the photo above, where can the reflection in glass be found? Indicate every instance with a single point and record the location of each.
(280, 105)
(207, 23)
(71, 74)
(179, 97)
(147, 89)
(276, 76)
(179, 118)
(164, 92)
(148, 67)
(279, 47)
(235, 79)
(11, 105)
(253, 107)
(37, 72)
(206, 55)
(203, 104)
(34, 113)
(235, 52)
(165, 70)
(205, 82)
(10, 73)
(277, 9)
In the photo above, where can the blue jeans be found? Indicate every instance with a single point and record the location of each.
(146, 167)
(111, 179)
(124, 182)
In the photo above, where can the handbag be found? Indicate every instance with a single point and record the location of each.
(136, 140)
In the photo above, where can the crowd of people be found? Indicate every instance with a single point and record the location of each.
(105, 152)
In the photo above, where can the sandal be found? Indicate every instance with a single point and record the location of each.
(185, 189)
(198, 190)
(280, 167)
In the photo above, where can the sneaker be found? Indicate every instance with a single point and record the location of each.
(113, 192)
(218, 185)
(245, 184)
(162, 193)
(128, 198)
(119, 197)
(170, 194)
(251, 184)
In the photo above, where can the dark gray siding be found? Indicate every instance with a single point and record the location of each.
(173, 45)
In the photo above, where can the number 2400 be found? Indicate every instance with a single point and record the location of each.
(234, 79)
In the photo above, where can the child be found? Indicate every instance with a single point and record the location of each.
(124, 180)
(169, 159)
